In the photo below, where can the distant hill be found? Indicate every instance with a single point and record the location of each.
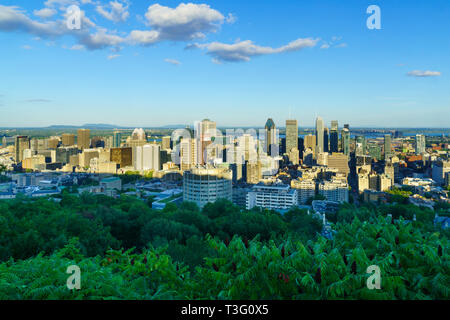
(174, 126)
(86, 126)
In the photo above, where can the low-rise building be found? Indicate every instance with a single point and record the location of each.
(272, 197)
(334, 190)
(306, 189)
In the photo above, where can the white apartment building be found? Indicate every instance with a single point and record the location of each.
(148, 157)
(363, 182)
(306, 188)
(335, 190)
(272, 197)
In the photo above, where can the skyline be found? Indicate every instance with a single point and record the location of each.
(311, 59)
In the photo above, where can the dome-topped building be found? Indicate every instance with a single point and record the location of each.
(137, 139)
(139, 134)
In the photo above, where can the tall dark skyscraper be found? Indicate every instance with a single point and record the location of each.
(271, 137)
(325, 140)
(345, 135)
(334, 136)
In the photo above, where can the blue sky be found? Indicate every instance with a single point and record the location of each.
(154, 63)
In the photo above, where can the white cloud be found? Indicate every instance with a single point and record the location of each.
(185, 22)
(100, 40)
(77, 47)
(231, 18)
(13, 19)
(27, 47)
(173, 61)
(143, 37)
(113, 56)
(45, 13)
(117, 11)
(245, 50)
(37, 100)
(332, 43)
(61, 4)
(422, 74)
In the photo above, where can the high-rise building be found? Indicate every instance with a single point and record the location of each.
(97, 142)
(187, 149)
(294, 156)
(326, 138)
(165, 143)
(247, 147)
(440, 168)
(310, 142)
(206, 131)
(339, 161)
(68, 139)
(363, 182)
(345, 136)
(420, 144)
(334, 136)
(117, 139)
(137, 139)
(385, 183)
(360, 145)
(21, 143)
(375, 151)
(319, 135)
(83, 139)
(387, 147)
(389, 170)
(271, 138)
(291, 135)
(122, 156)
(253, 172)
(53, 142)
(148, 157)
(203, 185)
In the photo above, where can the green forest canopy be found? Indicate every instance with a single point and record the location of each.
(126, 250)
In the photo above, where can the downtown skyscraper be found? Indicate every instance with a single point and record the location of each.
(334, 136)
(83, 139)
(345, 136)
(319, 135)
(420, 144)
(291, 135)
(21, 143)
(387, 147)
(271, 136)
